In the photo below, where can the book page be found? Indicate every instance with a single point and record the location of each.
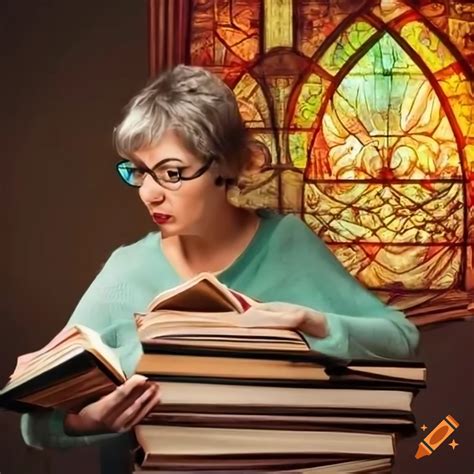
(203, 293)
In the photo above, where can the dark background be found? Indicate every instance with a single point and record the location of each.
(67, 70)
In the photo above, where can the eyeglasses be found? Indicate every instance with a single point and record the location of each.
(169, 177)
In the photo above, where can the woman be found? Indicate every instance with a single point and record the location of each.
(183, 142)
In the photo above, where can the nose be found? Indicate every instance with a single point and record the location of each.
(151, 192)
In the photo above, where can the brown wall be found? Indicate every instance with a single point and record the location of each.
(67, 69)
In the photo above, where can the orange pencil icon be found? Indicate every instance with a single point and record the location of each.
(436, 437)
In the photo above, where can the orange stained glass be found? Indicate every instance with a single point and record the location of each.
(224, 32)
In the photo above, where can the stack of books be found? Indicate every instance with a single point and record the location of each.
(237, 397)
(236, 394)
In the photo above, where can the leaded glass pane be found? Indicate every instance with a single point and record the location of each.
(364, 115)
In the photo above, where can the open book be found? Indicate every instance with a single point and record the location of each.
(76, 367)
(204, 312)
(205, 293)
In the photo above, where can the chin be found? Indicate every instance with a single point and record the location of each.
(174, 229)
(167, 232)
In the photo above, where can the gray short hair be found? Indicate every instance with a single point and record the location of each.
(199, 106)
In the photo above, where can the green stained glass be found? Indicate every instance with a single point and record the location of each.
(309, 101)
(345, 46)
(298, 145)
(381, 121)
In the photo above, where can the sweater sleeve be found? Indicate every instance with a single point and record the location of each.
(360, 325)
(104, 298)
(387, 335)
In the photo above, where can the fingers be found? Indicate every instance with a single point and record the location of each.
(120, 399)
(132, 388)
(137, 409)
(124, 390)
(315, 325)
(259, 318)
(118, 411)
(148, 406)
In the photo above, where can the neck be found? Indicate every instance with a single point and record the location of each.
(217, 243)
(219, 232)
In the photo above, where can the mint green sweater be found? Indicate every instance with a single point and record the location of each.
(284, 261)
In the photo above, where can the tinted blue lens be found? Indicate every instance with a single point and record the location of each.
(129, 174)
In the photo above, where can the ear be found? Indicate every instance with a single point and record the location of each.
(259, 159)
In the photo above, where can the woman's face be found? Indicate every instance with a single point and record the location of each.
(189, 209)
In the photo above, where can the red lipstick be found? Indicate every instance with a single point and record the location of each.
(160, 218)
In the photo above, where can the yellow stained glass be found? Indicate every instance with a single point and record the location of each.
(469, 154)
(402, 267)
(434, 53)
(460, 32)
(278, 15)
(459, 92)
(378, 213)
(252, 103)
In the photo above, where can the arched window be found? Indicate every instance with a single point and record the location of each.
(364, 115)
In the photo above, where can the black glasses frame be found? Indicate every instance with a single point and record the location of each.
(159, 181)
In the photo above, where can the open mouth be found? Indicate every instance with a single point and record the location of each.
(161, 218)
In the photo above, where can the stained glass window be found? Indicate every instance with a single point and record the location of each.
(364, 113)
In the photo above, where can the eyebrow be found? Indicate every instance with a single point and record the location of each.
(162, 162)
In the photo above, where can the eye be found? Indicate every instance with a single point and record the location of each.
(172, 175)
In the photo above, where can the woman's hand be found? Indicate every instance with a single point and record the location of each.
(279, 315)
(118, 411)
